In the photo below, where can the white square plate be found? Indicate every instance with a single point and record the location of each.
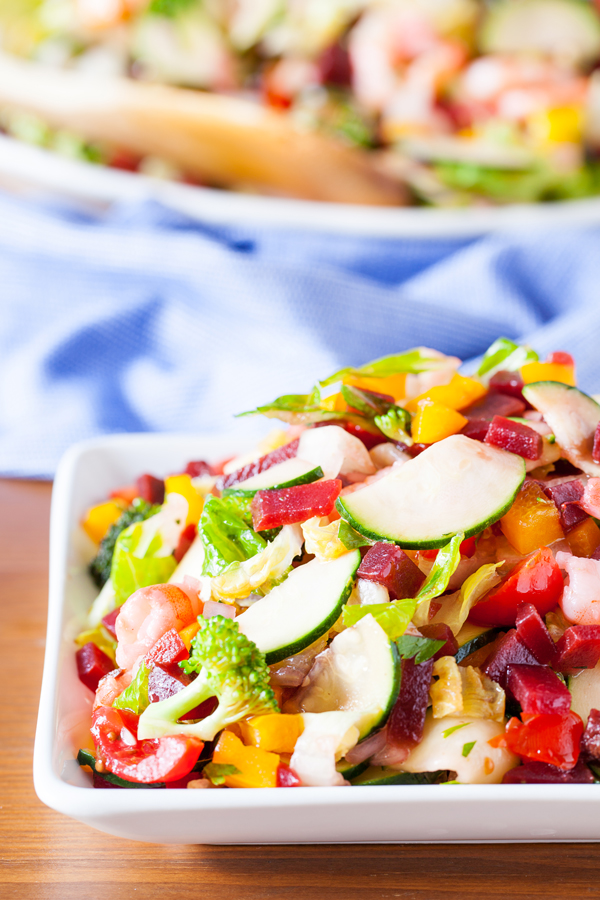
(286, 815)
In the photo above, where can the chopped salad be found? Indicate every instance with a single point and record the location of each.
(464, 101)
(401, 587)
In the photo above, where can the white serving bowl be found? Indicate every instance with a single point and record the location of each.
(36, 172)
(285, 815)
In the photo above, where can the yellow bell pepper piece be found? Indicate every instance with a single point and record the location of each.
(277, 733)
(182, 484)
(334, 403)
(257, 768)
(584, 538)
(532, 521)
(563, 124)
(537, 371)
(457, 394)
(188, 634)
(99, 518)
(393, 385)
(434, 422)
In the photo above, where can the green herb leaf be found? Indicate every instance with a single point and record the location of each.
(169, 8)
(454, 728)
(393, 617)
(217, 772)
(365, 402)
(350, 538)
(225, 536)
(467, 748)
(135, 697)
(410, 646)
(419, 359)
(395, 424)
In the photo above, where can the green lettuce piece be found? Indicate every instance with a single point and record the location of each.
(395, 424)
(455, 608)
(351, 538)
(393, 617)
(419, 359)
(129, 572)
(226, 536)
(505, 355)
(442, 571)
(217, 772)
(135, 697)
(411, 646)
(365, 402)
(100, 637)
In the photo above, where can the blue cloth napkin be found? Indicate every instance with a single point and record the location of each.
(143, 320)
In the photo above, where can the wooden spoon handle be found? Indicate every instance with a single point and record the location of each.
(219, 139)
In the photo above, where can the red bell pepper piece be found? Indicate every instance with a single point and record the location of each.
(532, 631)
(168, 650)
(514, 437)
(286, 506)
(560, 358)
(388, 565)
(92, 665)
(286, 777)
(538, 689)
(578, 648)
(197, 467)
(109, 622)
(186, 539)
(159, 759)
(536, 580)
(150, 488)
(288, 451)
(546, 738)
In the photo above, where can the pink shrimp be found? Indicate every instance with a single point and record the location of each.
(111, 686)
(580, 601)
(147, 615)
(590, 501)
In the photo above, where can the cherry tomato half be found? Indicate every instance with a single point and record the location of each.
(546, 737)
(536, 580)
(159, 759)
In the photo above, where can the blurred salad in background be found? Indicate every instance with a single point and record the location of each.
(464, 101)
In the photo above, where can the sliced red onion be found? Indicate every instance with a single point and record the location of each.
(212, 608)
(391, 756)
(367, 748)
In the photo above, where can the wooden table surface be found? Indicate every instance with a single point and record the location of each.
(45, 856)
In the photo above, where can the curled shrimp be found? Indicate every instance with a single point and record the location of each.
(147, 615)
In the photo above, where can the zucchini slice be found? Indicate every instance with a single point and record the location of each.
(455, 485)
(286, 474)
(384, 775)
(359, 671)
(350, 770)
(302, 608)
(572, 416)
(473, 637)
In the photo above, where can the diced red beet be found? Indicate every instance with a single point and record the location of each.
(416, 449)
(565, 492)
(571, 514)
(388, 565)
(198, 467)
(288, 451)
(560, 358)
(533, 772)
(508, 651)
(532, 631)
(182, 783)
(514, 437)
(407, 718)
(168, 650)
(510, 384)
(92, 665)
(272, 508)
(538, 689)
(578, 648)
(590, 742)
(334, 66)
(109, 622)
(476, 429)
(186, 539)
(494, 404)
(441, 632)
(151, 489)
(286, 777)
(369, 439)
(596, 447)
(163, 684)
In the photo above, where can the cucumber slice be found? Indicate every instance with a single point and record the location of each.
(383, 775)
(359, 671)
(455, 485)
(473, 637)
(302, 608)
(286, 474)
(572, 416)
(350, 771)
(566, 29)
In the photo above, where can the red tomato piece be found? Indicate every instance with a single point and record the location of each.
(272, 508)
(109, 622)
(536, 580)
(286, 777)
(467, 548)
(159, 759)
(548, 737)
(560, 358)
(186, 539)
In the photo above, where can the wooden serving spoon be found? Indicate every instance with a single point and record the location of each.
(219, 139)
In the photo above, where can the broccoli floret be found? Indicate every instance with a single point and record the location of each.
(231, 668)
(99, 567)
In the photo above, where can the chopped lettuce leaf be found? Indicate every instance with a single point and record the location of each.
(226, 536)
(350, 538)
(323, 540)
(505, 355)
(135, 566)
(217, 772)
(100, 637)
(437, 581)
(135, 696)
(419, 359)
(393, 617)
(100, 566)
(465, 690)
(456, 607)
